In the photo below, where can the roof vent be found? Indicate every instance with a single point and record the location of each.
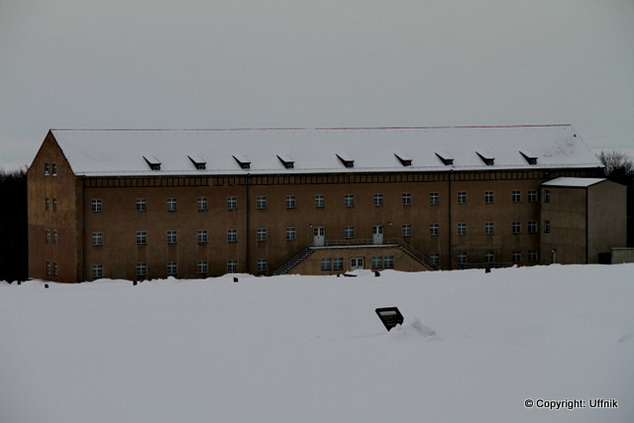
(531, 159)
(486, 158)
(199, 163)
(243, 162)
(286, 161)
(153, 162)
(347, 162)
(445, 158)
(404, 159)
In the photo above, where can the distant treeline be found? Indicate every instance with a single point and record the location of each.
(620, 168)
(13, 226)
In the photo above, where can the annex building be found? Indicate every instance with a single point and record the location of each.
(142, 204)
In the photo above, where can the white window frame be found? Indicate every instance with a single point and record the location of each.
(141, 205)
(171, 204)
(489, 228)
(260, 202)
(232, 235)
(320, 201)
(202, 236)
(462, 229)
(516, 196)
(202, 267)
(348, 200)
(462, 197)
(291, 202)
(232, 203)
(97, 239)
(348, 232)
(260, 235)
(406, 199)
(434, 198)
(172, 236)
(291, 234)
(141, 238)
(203, 204)
(489, 197)
(406, 230)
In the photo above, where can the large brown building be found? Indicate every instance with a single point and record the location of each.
(137, 204)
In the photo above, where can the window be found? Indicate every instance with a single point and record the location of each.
(141, 269)
(232, 203)
(232, 266)
(462, 197)
(388, 262)
(141, 238)
(434, 198)
(291, 234)
(348, 232)
(488, 228)
(55, 237)
(434, 229)
(337, 263)
(546, 196)
(97, 271)
(261, 234)
(171, 268)
(462, 229)
(320, 201)
(517, 256)
(489, 257)
(202, 236)
(377, 262)
(97, 206)
(48, 237)
(141, 205)
(171, 204)
(532, 227)
(462, 257)
(55, 269)
(47, 167)
(54, 204)
(516, 196)
(261, 265)
(435, 259)
(349, 200)
(232, 235)
(546, 226)
(406, 230)
(326, 263)
(54, 169)
(97, 239)
(202, 204)
(291, 203)
(532, 256)
(532, 196)
(407, 199)
(516, 228)
(261, 202)
(488, 197)
(47, 204)
(48, 268)
(202, 268)
(172, 237)
(378, 200)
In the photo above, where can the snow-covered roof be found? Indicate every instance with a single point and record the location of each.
(573, 182)
(340, 150)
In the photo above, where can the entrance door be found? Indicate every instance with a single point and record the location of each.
(377, 234)
(319, 236)
(356, 263)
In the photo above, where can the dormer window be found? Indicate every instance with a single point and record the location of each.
(153, 162)
(243, 162)
(198, 163)
(486, 158)
(403, 159)
(286, 161)
(445, 158)
(346, 162)
(531, 159)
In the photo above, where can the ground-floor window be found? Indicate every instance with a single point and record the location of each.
(261, 265)
(171, 268)
(202, 267)
(97, 271)
(326, 263)
(141, 269)
(232, 266)
(337, 263)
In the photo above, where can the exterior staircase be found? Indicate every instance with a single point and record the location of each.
(294, 261)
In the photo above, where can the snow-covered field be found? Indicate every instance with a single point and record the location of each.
(311, 349)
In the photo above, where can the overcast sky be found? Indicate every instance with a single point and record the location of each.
(326, 63)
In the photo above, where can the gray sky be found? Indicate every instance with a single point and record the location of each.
(327, 63)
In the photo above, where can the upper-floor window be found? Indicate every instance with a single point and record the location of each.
(54, 169)
(48, 237)
(232, 203)
(349, 200)
(546, 196)
(320, 201)
(406, 230)
(348, 232)
(261, 202)
(232, 235)
(532, 196)
(291, 202)
(202, 236)
(96, 206)
(291, 234)
(172, 237)
(546, 226)
(434, 229)
(97, 239)
(516, 196)
(55, 237)
(141, 205)
(488, 228)
(516, 227)
(171, 204)
(47, 169)
(47, 204)
(462, 229)
(261, 234)
(532, 227)
(488, 197)
(462, 197)
(54, 204)
(407, 199)
(202, 203)
(141, 238)
(378, 200)
(434, 198)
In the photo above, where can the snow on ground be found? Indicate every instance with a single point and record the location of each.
(311, 349)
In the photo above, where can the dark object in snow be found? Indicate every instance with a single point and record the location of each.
(45, 285)
(134, 283)
(348, 275)
(390, 316)
(487, 270)
(19, 282)
(377, 274)
(235, 279)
